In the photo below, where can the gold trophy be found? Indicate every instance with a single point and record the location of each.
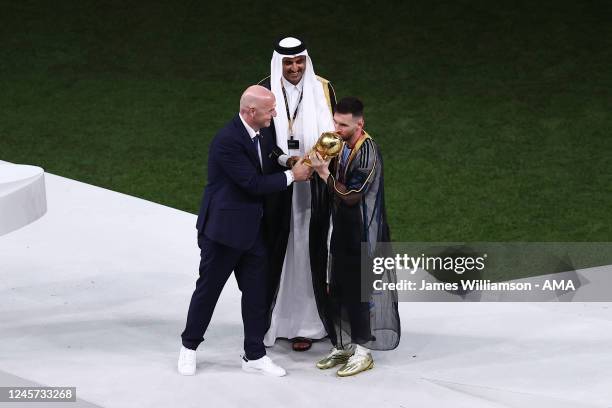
(329, 145)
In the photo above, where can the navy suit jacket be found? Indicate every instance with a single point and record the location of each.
(232, 206)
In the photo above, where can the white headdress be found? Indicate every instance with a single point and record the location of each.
(316, 117)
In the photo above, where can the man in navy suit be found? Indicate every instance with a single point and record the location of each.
(230, 230)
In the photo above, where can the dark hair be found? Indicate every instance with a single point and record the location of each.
(350, 104)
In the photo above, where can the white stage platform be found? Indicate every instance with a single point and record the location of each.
(22, 195)
(95, 294)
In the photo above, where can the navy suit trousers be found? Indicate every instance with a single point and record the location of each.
(217, 261)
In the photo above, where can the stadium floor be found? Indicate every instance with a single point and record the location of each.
(94, 295)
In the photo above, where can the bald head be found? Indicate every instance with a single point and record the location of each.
(257, 106)
(254, 96)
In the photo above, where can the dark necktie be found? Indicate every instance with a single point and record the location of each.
(256, 141)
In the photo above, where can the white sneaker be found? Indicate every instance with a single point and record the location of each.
(187, 361)
(263, 365)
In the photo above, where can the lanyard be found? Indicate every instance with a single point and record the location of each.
(289, 118)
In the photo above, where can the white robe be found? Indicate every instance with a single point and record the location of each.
(295, 312)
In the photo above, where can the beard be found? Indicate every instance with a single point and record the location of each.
(347, 136)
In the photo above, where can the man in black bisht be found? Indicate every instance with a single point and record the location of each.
(359, 318)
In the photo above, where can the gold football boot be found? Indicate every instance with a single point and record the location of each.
(335, 357)
(357, 363)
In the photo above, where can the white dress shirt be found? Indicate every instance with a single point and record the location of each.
(252, 133)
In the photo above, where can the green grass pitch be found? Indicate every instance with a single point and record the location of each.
(494, 117)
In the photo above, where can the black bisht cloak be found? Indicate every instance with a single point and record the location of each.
(356, 312)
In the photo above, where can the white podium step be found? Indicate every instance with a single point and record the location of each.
(22, 195)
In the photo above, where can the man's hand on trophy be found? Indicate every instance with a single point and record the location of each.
(291, 161)
(301, 172)
(319, 165)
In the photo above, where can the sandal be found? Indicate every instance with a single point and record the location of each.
(301, 344)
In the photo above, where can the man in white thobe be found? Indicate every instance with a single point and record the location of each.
(304, 105)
